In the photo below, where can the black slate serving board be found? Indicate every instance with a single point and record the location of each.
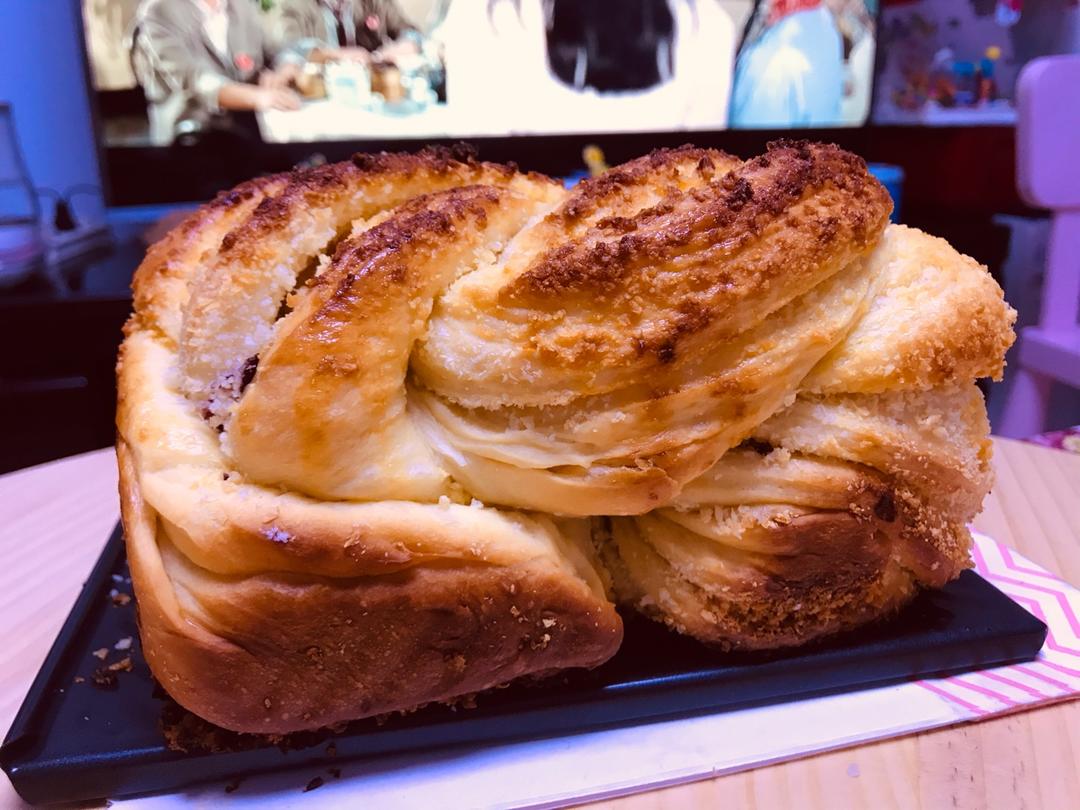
(75, 740)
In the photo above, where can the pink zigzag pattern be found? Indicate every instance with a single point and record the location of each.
(1011, 562)
(1056, 671)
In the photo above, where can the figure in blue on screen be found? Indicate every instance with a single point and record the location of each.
(790, 67)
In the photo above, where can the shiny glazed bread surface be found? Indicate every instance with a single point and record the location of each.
(400, 429)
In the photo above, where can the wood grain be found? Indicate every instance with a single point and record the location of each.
(55, 519)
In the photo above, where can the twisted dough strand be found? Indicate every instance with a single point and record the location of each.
(726, 393)
(599, 351)
(618, 363)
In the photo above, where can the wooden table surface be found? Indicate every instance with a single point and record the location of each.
(56, 517)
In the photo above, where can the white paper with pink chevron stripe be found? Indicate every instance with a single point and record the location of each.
(555, 772)
(1055, 674)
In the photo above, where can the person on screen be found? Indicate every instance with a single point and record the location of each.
(339, 30)
(587, 45)
(203, 63)
(790, 67)
(855, 22)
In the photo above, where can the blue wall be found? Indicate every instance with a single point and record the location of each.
(42, 76)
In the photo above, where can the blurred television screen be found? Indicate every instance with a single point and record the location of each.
(280, 71)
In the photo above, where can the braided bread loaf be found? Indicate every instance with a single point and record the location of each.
(402, 428)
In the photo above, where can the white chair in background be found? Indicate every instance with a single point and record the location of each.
(1048, 176)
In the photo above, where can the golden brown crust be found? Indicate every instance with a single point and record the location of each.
(273, 653)
(777, 575)
(380, 645)
(844, 579)
(161, 283)
(241, 288)
(639, 343)
(238, 583)
(322, 185)
(955, 324)
(732, 210)
(306, 422)
(936, 442)
(669, 168)
(847, 506)
(339, 384)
